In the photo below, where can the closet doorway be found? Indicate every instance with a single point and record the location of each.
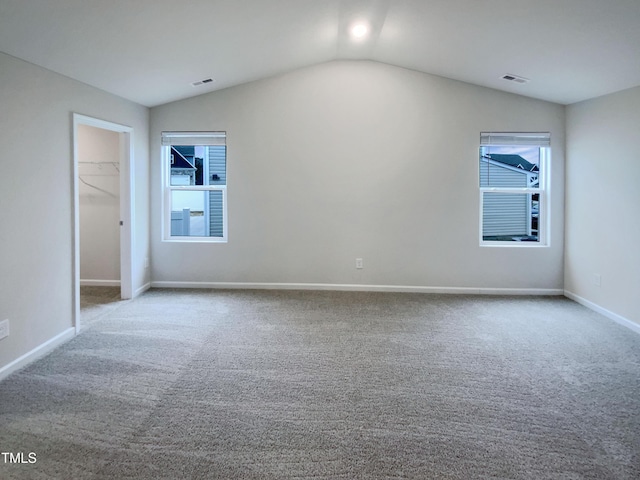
(102, 211)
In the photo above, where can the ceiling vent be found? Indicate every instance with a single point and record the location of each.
(202, 82)
(514, 78)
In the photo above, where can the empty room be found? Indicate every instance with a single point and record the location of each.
(341, 239)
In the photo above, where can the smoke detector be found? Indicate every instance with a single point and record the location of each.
(514, 78)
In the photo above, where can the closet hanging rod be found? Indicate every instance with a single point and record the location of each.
(97, 188)
(101, 163)
(99, 175)
(115, 165)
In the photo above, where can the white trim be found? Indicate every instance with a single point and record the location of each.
(360, 288)
(75, 260)
(142, 289)
(127, 211)
(85, 282)
(516, 244)
(38, 352)
(625, 322)
(127, 215)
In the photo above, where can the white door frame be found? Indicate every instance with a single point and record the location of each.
(126, 209)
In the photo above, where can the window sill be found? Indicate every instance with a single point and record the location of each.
(514, 244)
(194, 240)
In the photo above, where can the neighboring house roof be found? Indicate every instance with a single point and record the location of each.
(513, 160)
(187, 151)
(179, 160)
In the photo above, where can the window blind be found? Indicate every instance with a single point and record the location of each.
(538, 139)
(193, 138)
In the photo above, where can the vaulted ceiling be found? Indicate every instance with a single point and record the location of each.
(151, 51)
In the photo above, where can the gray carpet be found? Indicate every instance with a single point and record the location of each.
(331, 385)
(96, 302)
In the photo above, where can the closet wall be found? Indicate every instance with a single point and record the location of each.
(99, 195)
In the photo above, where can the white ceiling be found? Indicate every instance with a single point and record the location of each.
(150, 51)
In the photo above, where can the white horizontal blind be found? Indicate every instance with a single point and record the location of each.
(194, 138)
(538, 139)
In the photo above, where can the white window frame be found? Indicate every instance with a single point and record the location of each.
(195, 139)
(529, 139)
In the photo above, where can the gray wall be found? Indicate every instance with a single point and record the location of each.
(603, 202)
(358, 159)
(36, 199)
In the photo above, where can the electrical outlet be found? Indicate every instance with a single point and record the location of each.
(359, 264)
(597, 279)
(4, 328)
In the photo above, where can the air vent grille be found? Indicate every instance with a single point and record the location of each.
(202, 82)
(514, 78)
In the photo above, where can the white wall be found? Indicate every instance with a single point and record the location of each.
(603, 202)
(358, 159)
(36, 221)
(100, 204)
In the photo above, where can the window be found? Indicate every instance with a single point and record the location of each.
(195, 186)
(513, 188)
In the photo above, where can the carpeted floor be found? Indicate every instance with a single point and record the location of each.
(330, 385)
(96, 302)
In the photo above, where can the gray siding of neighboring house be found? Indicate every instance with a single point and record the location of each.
(217, 166)
(503, 214)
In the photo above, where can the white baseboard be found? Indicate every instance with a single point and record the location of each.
(360, 288)
(99, 283)
(625, 322)
(38, 352)
(142, 289)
